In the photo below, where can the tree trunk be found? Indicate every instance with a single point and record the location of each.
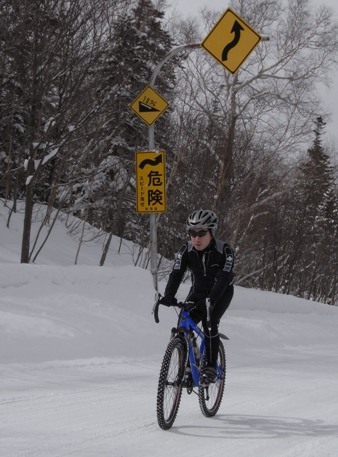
(25, 247)
(105, 250)
(225, 176)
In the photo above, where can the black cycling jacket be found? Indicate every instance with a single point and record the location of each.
(211, 270)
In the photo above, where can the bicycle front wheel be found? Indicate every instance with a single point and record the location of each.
(170, 382)
(210, 397)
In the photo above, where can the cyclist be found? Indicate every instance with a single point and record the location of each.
(211, 264)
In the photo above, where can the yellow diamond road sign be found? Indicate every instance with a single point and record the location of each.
(231, 41)
(150, 182)
(149, 105)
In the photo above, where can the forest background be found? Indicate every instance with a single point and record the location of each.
(251, 146)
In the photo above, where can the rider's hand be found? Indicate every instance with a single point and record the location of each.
(168, 301)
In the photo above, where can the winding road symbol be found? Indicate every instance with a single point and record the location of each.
(236, 29)
(231, 40)
(151, 162)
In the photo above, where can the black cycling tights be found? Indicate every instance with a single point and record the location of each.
(211, 334)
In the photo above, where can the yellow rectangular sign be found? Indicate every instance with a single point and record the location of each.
(150, 182)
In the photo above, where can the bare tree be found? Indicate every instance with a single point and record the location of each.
(259, 120)
(57, 44)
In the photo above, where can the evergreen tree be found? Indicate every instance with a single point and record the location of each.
(138, 43)
(318, 219)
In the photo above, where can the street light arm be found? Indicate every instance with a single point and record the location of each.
(157, 69)
(172, 53)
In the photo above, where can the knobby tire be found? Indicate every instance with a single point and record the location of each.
(209, 407)
(170, 382)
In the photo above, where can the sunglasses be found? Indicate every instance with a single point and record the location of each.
(199, 233)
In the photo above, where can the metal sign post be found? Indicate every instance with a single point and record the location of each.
(151, 145)
(149, 105)
(153, 226)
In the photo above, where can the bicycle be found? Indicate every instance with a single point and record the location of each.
(181, 368)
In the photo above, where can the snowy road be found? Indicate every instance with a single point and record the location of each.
(287, 406)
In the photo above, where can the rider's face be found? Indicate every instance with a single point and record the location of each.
(200, 238)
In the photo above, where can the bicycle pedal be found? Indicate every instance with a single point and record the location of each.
(204, 382)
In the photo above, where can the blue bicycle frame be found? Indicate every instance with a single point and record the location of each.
(188, 325)
(181, 367)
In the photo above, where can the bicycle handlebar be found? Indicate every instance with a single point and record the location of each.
(157, 303)
(188, 306)
(182, 305)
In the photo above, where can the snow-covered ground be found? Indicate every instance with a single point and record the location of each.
(80, 356)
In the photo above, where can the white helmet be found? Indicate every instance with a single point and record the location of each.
(203, 219)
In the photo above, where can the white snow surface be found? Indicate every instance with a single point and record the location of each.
(80, 356)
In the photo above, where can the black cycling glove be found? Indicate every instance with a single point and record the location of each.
(168, 301)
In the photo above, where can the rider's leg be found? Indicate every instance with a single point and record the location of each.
(211, 334)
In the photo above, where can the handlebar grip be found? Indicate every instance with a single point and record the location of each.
(155, 307)
(157, 303)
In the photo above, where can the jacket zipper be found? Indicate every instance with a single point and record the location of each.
(203, 260)
(203, 264)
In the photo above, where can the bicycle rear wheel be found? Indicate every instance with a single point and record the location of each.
(170, 382)
(210, 397)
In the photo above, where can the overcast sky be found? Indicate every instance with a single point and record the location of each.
(193, 7)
